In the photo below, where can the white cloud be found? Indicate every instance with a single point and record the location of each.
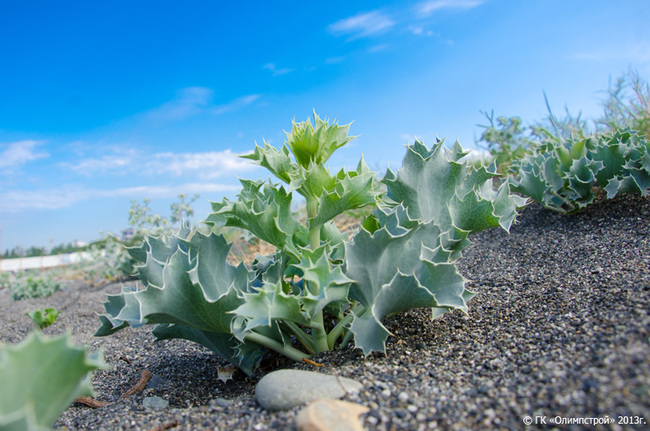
(204, 165)
(192, 101)
(378, 22)
(378, 48)
(18, 153)
(188, 102)
(124, 160)
(238, 103)
(420, 31)
(15, 201)
(363, 24)
(168, 191)
(274, 69)
(639, 52)
(50, 198)
(426, 8)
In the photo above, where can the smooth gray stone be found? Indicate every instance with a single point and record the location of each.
(286, 389)
(155, 403)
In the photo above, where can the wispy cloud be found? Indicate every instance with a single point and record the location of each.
(427, 8)
(16, 154)
(420, 31)
(188, 102)
(378, 22)
(334, 60)
(169, 190)
(276, 70)
(123, 161)
(363, 24)
(238, 103)
(639, 52)
(378, 48)
(205, 165)
(192, 101)
(15, 201)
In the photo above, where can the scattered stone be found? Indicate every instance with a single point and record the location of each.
(155, 403)
(286, 389)
(225, 373)
(221, 402)
(331, 415)
(154, 382)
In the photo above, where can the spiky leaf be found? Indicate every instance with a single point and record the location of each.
(316, 143)
(390, 275)
(264, 211)
(327, 284)
(278, 162)
(40, 379)
(196, 295)
(436, 185)
(351, 190)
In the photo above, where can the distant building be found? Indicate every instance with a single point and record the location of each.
(128, 234)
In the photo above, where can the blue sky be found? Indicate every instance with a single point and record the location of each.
(102, 102)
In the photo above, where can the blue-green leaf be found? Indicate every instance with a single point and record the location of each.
(40, 378)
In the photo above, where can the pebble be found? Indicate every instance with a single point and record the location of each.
(221, 402)
(155, 403)
(286, 389)
(154, 382)
(331, 415)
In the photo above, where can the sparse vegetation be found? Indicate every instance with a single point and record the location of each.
(31, 284)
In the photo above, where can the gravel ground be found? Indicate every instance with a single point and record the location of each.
(560, 328)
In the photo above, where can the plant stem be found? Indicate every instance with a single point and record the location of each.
(301, 336)
(319, 335)
(314, 230)
(336, 332)
(287, 351)
(346, 339)
(318, 330)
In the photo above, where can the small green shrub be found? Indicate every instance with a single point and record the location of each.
(506, 140)
(44, 317)
(5, 280)
(628, 104)
(28, 285)
(567, 176)
(110, 259)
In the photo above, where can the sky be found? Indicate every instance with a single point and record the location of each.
(102, 102)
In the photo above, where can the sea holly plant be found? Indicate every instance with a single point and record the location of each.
(44, 317)
(319, 290)
(568, 175)
(40, 378)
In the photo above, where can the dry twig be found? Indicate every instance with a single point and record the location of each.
(165, 426)
(90, 402)
(140, 386)
(310, 362)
